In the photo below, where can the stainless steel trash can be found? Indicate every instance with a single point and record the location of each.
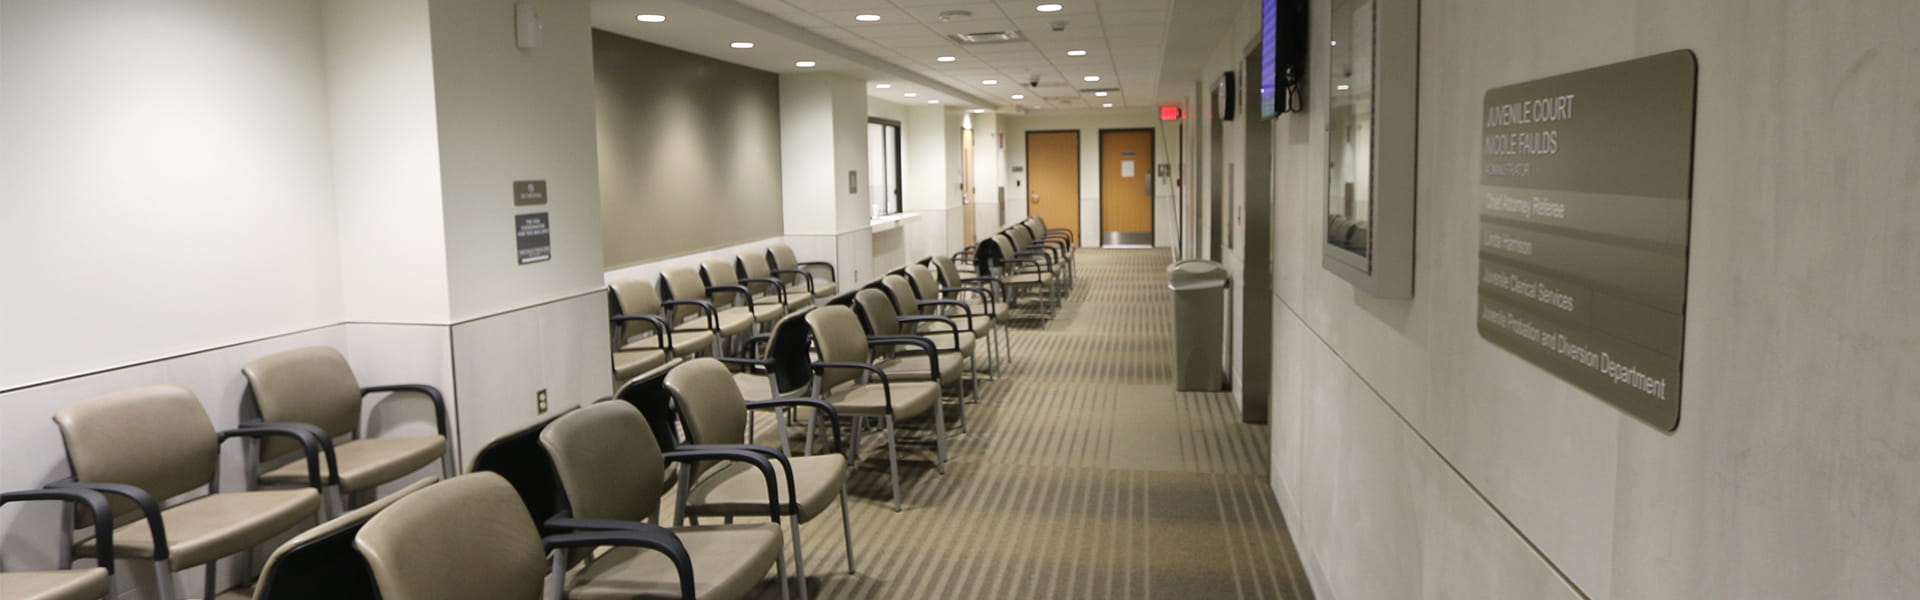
(1199, 301)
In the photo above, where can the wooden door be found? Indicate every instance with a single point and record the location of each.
(1126, 187)
(1053, 175)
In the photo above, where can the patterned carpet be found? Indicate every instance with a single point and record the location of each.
(1083, 475)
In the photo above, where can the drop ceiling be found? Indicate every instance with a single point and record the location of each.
(1137, 48)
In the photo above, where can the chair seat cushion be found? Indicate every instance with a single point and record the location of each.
(738, 490)
(692, 337)
(913, 365)
(754, 387)
(366, 463)
(728, 562)
(628, 364)
(767, 310)
(77, 584)
(798, 299)
(945, 341)
(735, 320)
(210, 527)
(910, 399)
(824, 289)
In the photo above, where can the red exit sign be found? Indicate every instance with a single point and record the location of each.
(1169, 113)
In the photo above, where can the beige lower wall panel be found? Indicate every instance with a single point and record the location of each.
(501, 362)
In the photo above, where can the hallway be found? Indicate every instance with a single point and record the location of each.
(1083, 475)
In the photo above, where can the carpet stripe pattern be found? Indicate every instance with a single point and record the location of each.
(1082, 474)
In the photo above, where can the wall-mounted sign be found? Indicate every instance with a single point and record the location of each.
(532, 237)
(529, 193)
(1585, 200)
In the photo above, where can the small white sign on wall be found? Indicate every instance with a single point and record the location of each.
(1126, 168)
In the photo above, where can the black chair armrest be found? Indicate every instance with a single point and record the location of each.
(803, 273)
(432, 393)
(820, 405)
(923, 344)
(778, 287)
(148, 507)
(713, 314)
(749, 362)
(786, 465)
(96, 505)
(740, 289)
(638, 535)
(661, 330)
(695, 453)
(310, 444)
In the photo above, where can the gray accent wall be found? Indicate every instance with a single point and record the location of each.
(689, 151)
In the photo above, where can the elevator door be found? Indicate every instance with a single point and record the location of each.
(1053, 170)
(1126, 187)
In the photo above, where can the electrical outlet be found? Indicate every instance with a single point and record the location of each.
(540, 401)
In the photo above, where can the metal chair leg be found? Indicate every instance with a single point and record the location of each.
(163, 580)
(799, 564)
(893, 459)
(846, 525)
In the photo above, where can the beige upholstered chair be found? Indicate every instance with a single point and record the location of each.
(689, 295)
(1021, 272)
(315, 386)
(146, 445)
(802, 275)
(637, 302)
(321, 563)
(610, 469)
(713, 413)
(758, 275)
(845, 378)
(94, 583)
(972, 308)
(725, 288)
(943, 364)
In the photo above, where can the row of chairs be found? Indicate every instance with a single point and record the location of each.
(897, 350)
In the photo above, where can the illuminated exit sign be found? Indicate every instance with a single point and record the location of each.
(1169, 113)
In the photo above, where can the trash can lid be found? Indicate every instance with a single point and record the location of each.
(1196, 275)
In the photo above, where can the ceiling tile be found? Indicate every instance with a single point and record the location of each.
(825, 5)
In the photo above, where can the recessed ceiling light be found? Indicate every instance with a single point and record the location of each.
(1341, 86)
(912, 94)
(803, 63)
(1335, 42)
(1087, 78)
(933, 102)
(1107, 105)
(1076, 53)
(989, 82)
(882, 86)
(1019, 96)
(1100, 94)
(978, 110)
(652, 18)
(866, 18)
(945, 58)
(742, 45)
(1049, 7)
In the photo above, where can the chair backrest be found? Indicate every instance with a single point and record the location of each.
(155, 437)
(711, 406)
(1022, 238)
(782, 256)
(634, 297)
(945, 267)
(925, 283)
(609, 465)
(305, 385)
(837, 333)
(752, 264)
(716, 272)
(649, 394)
(901, 292)
(876, 312)
(790, 347)
(321, 563)
(518, 457)
(681, 282)
(466, 537)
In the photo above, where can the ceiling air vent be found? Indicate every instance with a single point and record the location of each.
(987, 37)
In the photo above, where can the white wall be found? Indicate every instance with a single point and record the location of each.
(1089, 124)
(200, 215)
(1415, 460)
(508, 114)
(386, 161)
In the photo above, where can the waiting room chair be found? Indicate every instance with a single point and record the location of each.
(315, 386)
(94, 583)
(725, 288)
(610, 470)
(321, 563)
(754, 269)
(637, 302)
(793, 271)
(144, 446)
(960, 332)
(974, 304)
(843, 376)
(689, 294)
(469, 537)
(1023, 273)
(923, 360)
(715, 415)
